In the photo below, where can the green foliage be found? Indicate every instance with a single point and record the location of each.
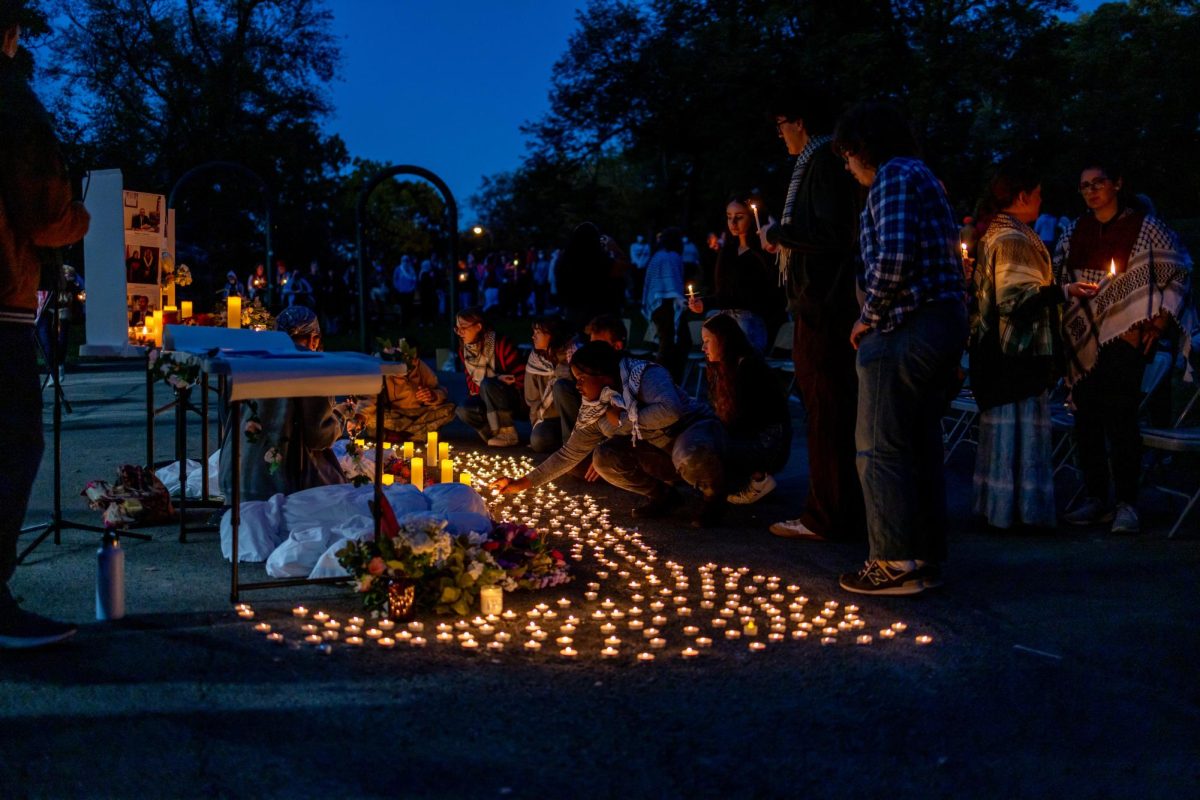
(658, 109)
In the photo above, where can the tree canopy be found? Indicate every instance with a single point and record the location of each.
(658, 108)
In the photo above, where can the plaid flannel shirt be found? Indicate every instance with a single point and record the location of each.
(909, 244)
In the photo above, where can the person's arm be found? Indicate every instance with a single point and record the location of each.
(427, 379)
(579, 445)
(893, 207)
(509, 361)
(47, 210)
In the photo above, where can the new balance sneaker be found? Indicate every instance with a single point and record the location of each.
(755, 491)
(1125, 520)
(505, 437)
(878, 577)
(1091, 511)
(23, 629)
(659, 504)
(795, 529)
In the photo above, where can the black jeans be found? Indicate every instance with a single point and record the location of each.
(493, 408)
(21, 442)
(1106, 422)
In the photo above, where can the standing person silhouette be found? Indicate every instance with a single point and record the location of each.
(36, 211)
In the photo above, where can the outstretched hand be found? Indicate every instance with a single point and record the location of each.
(510, 485)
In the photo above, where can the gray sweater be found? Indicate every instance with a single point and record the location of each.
(663, 412)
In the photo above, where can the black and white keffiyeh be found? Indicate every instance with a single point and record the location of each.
(591, 411)
(479, 358)
(784, 259)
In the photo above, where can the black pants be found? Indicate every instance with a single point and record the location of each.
(1106, 422)
(21, 442)
(673, 341)
(828, 384)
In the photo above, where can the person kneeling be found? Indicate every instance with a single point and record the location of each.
(415, 404)
(752, 405)
(288, 439)
(495, 379)
(642, 433)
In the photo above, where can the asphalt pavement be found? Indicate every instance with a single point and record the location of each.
(1061, 664)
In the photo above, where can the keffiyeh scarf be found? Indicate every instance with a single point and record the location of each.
(479, 358)
(591, 411)
(1154, 283)
(539, 364)
(784, 259)
(1011, 253)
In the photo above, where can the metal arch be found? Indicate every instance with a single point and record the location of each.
(243, 170)
(360, 213)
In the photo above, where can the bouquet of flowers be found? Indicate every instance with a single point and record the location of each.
(177, 370)
(254, 315)
(401, 351)
(448, 570)
(526, 557)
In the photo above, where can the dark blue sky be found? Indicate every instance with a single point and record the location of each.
(446, 84)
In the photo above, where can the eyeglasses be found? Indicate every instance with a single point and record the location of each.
(1093, 186)
(461, 327)
(779, 123)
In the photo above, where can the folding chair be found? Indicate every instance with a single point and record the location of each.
(1181, 440)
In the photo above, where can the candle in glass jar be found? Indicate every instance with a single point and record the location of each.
(491, 600)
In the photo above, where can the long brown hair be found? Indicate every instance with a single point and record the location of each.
(734, 347)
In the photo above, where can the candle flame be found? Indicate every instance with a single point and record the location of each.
(1112, 268)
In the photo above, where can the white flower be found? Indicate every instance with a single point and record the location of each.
(273, 455)
(475, 570)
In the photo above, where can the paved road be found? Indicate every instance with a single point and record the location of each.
(1062, 664)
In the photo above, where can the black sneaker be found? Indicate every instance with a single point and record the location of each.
(659, 504)
(878, 578)
(22, 629)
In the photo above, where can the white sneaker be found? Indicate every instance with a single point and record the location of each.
(795, 529)
(1090, 512)
(1126, 519)
(505, 437)
(754, 492)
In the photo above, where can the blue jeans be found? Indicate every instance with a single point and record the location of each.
(904, 377)
(493, 408)
(21, 442)
(694, 456)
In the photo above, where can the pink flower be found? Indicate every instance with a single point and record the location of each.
(376, 566)
(253, 427)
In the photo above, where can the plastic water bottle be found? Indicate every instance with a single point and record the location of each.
(110, 578)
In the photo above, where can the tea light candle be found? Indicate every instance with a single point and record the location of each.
(470, 644)
(590, 596)
(354, 641)
(495, 646)
(331, 635)
(564, 602)
(313, 638)
(689, 652)
(385, 624)
(899, 627)
(275, 638)
(300, 611)
(703, 641)
(540, 635)
(757, 647)
(403, 636)
(563, 641)
(246, 613)
(414, 626)
(386, 642)
(863, 639)
(606, 628)
(333, 625)
(658, 643)
(263, 627)
(645, 657)
(733, 633)
(659, 621)
(799, 634)
(719, 623)
(612, 641)
(374, 633)
(887, 633)
(309, 628)
(509, 615)
(609, 652)
(650, 633)
(690, 630)
(828, 640)
(503, 636)
(776, 637)
(533, 645)
(924, 639)
(417, 641)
